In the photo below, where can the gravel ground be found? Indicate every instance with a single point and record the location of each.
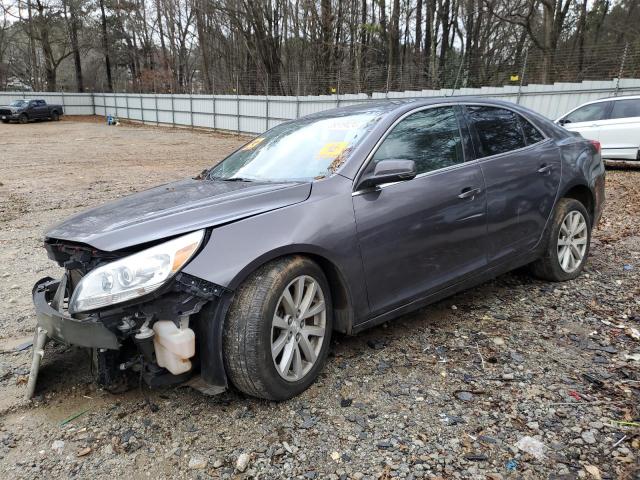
(514, 379)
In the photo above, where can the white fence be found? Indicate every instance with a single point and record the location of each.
(255, 114)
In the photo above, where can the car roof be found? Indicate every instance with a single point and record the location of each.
(402, 104)
(613, 99)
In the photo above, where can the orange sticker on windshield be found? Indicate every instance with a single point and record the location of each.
(253, 144)
(332, 149)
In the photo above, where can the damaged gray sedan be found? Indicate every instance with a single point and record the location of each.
(338, 221)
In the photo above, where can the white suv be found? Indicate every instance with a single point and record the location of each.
(614, 122)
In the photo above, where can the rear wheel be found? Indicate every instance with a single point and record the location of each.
(23, 118)
(278, 329)
(567, 243)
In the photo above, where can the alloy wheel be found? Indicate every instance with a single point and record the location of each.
(298, 328)
(572, 241)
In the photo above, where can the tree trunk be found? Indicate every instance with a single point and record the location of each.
(444, 47)
(33, 59)
(203, 42)
(105, 47)
(418, 31)
(581, 33)
(394, 44)
(73, 14)
(326, 21)
(163, 46)
(383, 30)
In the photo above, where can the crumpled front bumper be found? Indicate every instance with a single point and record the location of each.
(60, 326)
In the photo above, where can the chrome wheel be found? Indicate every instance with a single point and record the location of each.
(298, 328)
(572, 241)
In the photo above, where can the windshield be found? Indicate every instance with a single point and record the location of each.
(305, 149)
(18, 103)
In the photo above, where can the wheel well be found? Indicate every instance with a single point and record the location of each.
(583, 195)
(342, 311)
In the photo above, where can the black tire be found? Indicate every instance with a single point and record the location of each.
(247, 331)
(548, 266)
(5, 121)
(55, 116)
(23, 118)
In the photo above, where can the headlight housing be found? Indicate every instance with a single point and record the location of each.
(135, 275)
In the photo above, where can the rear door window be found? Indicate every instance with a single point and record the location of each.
(626, 108)
(531, 134)
(588, 113)
(498, 129)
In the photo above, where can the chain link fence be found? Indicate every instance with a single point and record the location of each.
(524, 67)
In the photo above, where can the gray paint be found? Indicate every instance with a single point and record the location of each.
(172, 209)
(394, 249)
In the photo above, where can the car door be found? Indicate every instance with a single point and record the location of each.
(620, 132)
(423, 234)
(32, 109)
(41, 109)
(587, 119)
(522, 173)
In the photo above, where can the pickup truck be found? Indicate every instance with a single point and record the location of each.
(25, 110)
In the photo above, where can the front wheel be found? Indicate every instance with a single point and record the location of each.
(277, 333)
(55, 116)
(567, 243)
(23, 118)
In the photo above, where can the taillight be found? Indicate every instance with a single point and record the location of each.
(596, 145)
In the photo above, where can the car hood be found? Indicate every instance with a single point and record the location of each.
(8, 107)
(172, 209)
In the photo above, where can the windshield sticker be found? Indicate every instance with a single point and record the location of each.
(253, 144)
(332, 149)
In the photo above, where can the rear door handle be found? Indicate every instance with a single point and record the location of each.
(545, 169)
(469, 192)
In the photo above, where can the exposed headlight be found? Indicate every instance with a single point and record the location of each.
(135, 275)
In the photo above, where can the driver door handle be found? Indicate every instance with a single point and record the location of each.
(469, 192)
(545, 169)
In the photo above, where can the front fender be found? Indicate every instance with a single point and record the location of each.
(323, 225)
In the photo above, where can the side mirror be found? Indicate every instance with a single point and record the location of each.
(563, 121)
(387, 171)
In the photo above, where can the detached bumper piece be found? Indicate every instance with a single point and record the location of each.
(54, 323)
(88, 332)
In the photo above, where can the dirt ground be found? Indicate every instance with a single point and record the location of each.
(517, 378)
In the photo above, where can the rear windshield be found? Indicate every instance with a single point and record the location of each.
(304, 149)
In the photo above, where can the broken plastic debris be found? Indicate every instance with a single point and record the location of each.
(634, 356)
(512, 465)
(531, 446)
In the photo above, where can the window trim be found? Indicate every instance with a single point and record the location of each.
(613, 103)
(607, 115)
(476, 141)
(471, 132)
(384, 136)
